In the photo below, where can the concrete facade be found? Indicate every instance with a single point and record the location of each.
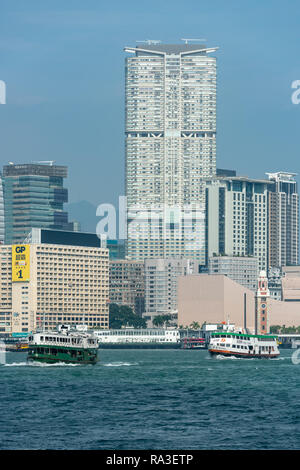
(241, 269)
(161, 285)
(283, 220)
(215, 298)
(67, 284)
(237, 218)
(126, 284)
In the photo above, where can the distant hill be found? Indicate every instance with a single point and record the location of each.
(85, 213)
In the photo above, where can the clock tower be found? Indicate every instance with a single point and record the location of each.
(261, 305)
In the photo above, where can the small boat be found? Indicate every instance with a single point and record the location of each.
(20, 346)
(64, 345)
(193, 343)
(244, 345)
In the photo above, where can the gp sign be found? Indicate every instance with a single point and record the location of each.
(20, 263)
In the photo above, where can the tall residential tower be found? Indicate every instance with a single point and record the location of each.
(170, 146)
(283, 220)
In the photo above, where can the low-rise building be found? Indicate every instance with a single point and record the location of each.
(161, 283)
(216, 298)
(126, 284)
(291, 283)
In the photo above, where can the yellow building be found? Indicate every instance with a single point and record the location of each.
(47, 284)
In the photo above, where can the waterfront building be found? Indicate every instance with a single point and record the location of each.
(44, 284)
(126, 284)
(237, 218)
(290, 283)
(215, 298)
(283, 220)
(161, 283)
(241, 269)
(34, 196)
(2, 221)
(170, 136)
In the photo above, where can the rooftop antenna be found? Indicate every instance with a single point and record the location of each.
(193, 40)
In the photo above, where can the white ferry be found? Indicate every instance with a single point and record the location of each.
(152, 338)
(241, 344)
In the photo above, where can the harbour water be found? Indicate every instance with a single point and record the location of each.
(151, 399)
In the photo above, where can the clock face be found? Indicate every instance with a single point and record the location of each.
(263, 305)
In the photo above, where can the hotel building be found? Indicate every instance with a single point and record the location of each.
(170, 137)
(43, 284)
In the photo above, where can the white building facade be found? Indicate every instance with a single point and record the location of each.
(241, 269)
(161, 282)
(283, 220)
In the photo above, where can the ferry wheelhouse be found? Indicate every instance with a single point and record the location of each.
(152, 338)
(64, 345)
(238, 344)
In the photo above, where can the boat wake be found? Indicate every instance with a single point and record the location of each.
(221, 357)
(39, 364)
(120, 364)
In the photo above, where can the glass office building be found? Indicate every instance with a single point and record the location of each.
(34, 196)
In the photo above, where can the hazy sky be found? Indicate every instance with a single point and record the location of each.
(63, 64)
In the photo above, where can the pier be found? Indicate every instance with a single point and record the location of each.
(289, 341)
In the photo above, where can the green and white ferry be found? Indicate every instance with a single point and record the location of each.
(244, 345)
(64, 345)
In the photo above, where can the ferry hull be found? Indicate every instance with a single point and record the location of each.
(215, 352)
(70, 356)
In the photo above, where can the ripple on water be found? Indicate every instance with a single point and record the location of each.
(139, 399)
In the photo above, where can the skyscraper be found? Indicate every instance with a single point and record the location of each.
(170, 146)
(237, 218)
(283, 220)
(33, 197)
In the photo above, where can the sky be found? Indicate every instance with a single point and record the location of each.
(63, 65)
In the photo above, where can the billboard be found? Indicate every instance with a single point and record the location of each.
(20, 263)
